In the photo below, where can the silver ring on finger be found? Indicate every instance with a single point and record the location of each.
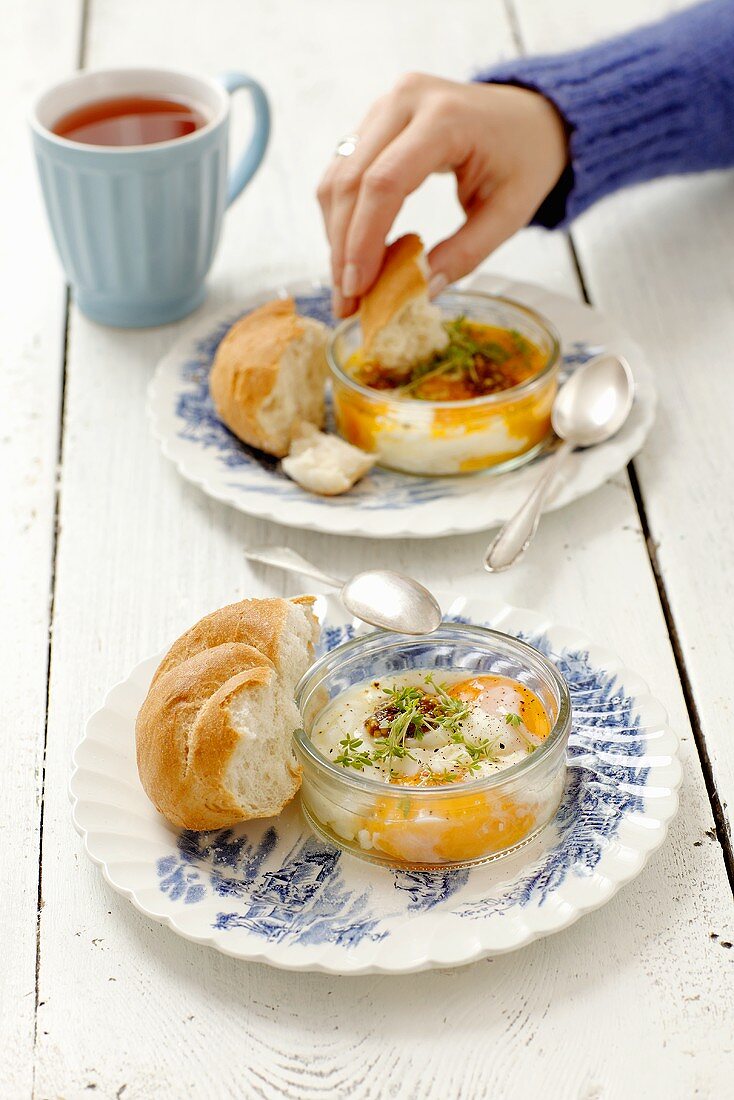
(346, 145)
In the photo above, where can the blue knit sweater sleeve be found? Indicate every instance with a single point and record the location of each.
(654, 102)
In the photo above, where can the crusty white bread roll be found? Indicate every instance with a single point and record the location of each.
(269, 374)
(214, 733)
(400, 326)
(324, 463)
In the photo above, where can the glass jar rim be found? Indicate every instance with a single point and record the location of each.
(511, 393)
(560, 729)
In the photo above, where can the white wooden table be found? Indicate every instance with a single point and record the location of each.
(106, 555)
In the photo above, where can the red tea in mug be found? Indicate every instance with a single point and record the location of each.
(130, 120)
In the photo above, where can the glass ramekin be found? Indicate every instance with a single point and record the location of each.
(497, 432)
(452, 825)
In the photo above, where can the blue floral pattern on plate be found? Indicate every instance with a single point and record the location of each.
(381, 490)
(271, 891)
(300, 892)
(303, 895)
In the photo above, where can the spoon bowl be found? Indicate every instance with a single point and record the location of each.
(594, 403)
(392, 601)
(380, 597)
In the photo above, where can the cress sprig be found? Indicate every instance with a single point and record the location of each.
(515, 721)
(458, 357)
(408, 717)
(409, 720)
(352, 754)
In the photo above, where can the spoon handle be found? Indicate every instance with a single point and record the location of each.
(282, 557)
(518, 532)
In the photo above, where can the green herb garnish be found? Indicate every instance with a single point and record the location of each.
(454, 710)
(482, 750)
(403, 698)
(353, 756)
(410, 713)
(392, 746)
(523, 346)
(461, 357)
(515, 721)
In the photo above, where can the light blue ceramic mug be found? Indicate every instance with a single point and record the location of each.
(137, 226)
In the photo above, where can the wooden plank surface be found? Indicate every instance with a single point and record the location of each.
(39, 45)
(660, 257)
(628, 1002)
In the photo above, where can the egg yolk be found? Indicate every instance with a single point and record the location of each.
(448, 830)
(522, 421)
(501, 695)
(362, 421)
(461, 826)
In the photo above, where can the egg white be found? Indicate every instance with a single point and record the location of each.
(346, 716)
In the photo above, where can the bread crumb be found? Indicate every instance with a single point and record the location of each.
(325, 464)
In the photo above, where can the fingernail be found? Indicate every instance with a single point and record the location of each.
(350, 281)
(437, 283)
(337, 304)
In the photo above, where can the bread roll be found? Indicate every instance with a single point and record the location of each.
(214, 733)
(400, 327)
(269, 374)
(323, 463)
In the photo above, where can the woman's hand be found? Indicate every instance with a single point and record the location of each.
(506, 146)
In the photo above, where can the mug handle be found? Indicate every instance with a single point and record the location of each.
(250, 160)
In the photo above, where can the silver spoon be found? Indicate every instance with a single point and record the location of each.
(589, 408)
(378, 596)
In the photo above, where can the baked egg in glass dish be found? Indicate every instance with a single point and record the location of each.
(482, 403)
(437, 751)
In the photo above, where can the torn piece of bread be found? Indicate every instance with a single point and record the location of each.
(269, 374)
(281, 629)
(325, 464)
(214, 735)
(400, 326)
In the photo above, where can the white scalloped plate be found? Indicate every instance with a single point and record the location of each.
(271, 892)
(384, 504)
